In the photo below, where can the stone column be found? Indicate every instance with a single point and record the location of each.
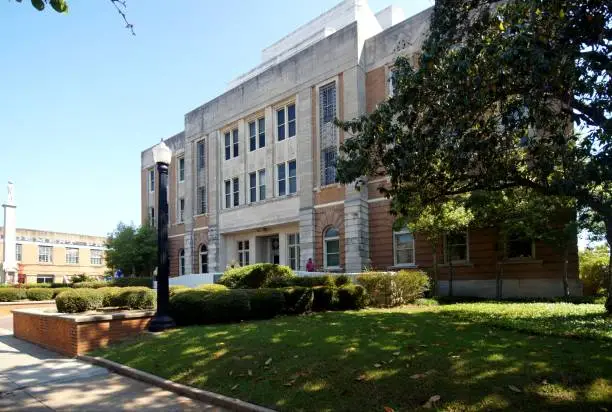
(9, 264)
(214, 198)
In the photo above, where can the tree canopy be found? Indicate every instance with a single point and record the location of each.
(506, 95)
(132, 249)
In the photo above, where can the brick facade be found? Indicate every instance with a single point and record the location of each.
(326, 217)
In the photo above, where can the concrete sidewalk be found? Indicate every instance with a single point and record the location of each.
(33, 379)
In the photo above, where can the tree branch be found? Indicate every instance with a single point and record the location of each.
(119, 4)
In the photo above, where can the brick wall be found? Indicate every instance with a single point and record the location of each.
(175, 244)
(71, 337)
(376, 88)
(324, 218)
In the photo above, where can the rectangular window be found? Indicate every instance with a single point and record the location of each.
(456, 247)
(252, 136)
(291, 120)
(262, 184)
(328, 133)
(261, 126)
(293, 241)
(329, 165)
(202, 200)
(201, 155)
(44, 278)
(181, 210)
(152, 216)
(235, 139)
(18, 252)
(72, 256)
(95, 256)
(391, 81)
(236, 190)
(252, 187)
(228, 194)
(282, 189)
(243, 252)
(151, 180)
(181, 169)
(292, 176)
(280, 124)
(519, 247)
(403, 245)
(228, 146)
(45, 254)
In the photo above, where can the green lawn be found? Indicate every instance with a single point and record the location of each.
(372, 359)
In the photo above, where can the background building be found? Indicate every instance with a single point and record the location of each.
(46, 257)
(253, 178)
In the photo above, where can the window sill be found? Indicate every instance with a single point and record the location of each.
(404, 266)
(332, 269)
(521, 261)
(457, 264)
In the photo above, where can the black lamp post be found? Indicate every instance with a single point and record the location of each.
(162, 155)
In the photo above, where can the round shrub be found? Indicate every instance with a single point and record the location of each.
(109, 296)
(324, 298)
(90, 285)
(127, 282)
(12, 294)
(342, 280)
(352, 297)
(298, 299)
(312, 281)
(135, 298)
(177, 289)
(57, 291)
(39, 293)
(266, 303)
(79, 300)
(196, 307)
(212, 287)
(259, 275)
(394, 289)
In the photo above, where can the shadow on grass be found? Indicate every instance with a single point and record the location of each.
(363, 361)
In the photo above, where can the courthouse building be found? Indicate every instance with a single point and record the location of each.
(253, 177)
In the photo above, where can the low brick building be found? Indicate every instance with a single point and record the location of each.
(253, 178)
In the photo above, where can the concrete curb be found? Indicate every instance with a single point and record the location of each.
(193, 393)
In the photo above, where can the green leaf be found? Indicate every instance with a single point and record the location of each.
(59, 6)
(38, 4)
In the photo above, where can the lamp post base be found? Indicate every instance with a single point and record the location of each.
(161, 323)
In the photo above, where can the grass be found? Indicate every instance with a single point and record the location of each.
(400, 358)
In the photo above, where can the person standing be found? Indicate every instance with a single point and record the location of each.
(310, 265)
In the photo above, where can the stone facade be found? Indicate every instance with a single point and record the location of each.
(258, 161)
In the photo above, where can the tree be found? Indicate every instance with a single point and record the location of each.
(594, 269)
(508, 95)
(132, 249)
(61, 6)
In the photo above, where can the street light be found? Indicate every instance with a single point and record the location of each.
(162, 155)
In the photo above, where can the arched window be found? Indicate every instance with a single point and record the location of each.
(181, 262)
(331, 248)
(203, 259)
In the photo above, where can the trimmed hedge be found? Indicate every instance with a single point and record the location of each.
(177, 289)
(57, 291)
(394, 289)
(324, 298)
(266, 303)
(109, 295)
(135, 298)
(259, 275)
(298, 299)
(342, 280)
(127, 282)
(90, 285)
(212, 287)
(39, 294)
(352, 297)
(312, 281)
(12, 294)
(196, 307)
(79, 300)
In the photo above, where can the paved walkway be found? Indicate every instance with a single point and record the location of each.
(35, 379)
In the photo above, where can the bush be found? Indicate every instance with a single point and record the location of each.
(259, 275)
(39, 293)
(394, 289)
(57, 291)
(81, 278)
(298, 299)
(57, 285)
(352, 297)
(342, 280)
(135, 298)
(90, 285)
(79, 300)
(126, 282)
(34, 285)
(594, 269)
(196, 307)
(324, 298)
(266, 303)
(8, 294)
(212, 287)
(177, 289)
(109, 296)
(312, 281)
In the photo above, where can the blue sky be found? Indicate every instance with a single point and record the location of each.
(80, 97)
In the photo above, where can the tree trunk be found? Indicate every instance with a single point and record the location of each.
(566, 291)
(451, 273)
(435, 270)
(609, 280)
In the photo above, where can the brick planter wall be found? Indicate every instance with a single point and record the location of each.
(7, 307)
(77, 334)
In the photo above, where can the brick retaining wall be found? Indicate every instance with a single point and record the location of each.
(77, 334)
